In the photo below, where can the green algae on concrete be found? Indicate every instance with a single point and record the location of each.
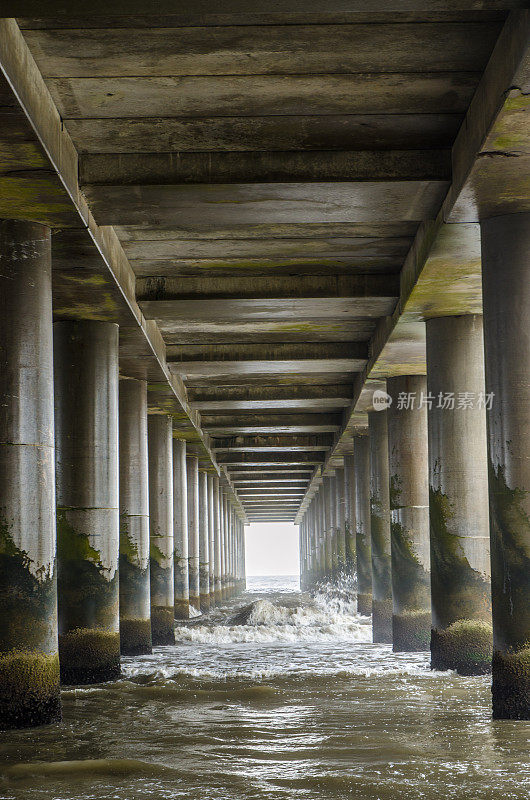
(135, 631)
(29, 689)
(89, 655)
(88, 607)
(411, 621)
(510, 533)
(135, 636)
(411, 631)
(29, 663)
(409, 515)
(465, 597)
(162, 616)
(464, 646)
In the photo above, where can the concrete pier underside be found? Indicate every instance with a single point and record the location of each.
(269, 212)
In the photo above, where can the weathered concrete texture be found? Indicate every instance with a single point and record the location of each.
(204, 550)
(380, 527)
(192, 470)
(135, 596)
(363, 541)
(211, 540)
(160, 449)
(340, 522)
(409, 513)
(180, 530)
(225, 589)
(334, 528)
(86, 457)
(217, 511)
(29, 662)
(349, 516)
(327, 529)
(458, 498)
(506, 282)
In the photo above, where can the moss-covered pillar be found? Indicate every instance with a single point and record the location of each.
(86, 456)
(409, 511)
(211, 541)
(135, 595)
(192, 473)
(204, 548)
(340, 517)
(349, 516)
(180, 530)
(363, 542)
(29, 662)
(160, 446)
(506, 284)
(380, 527)
(217, 508)
(458, 496)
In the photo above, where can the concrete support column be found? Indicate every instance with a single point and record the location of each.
(192, 474)
(229, 565)
(340, 515)
(409, 510)
(29, 661)
(224, 582)
(327, 530)
(180, 531)
(217, 508)
(135, 595)
(322, 546)
(506, 285)
(380, 528)
(304, 550)
(204, 549)
(349, 516)
(458, 497)
(313, 534)
(333, 525)
(86, 458)
(243, 559)
(363, 542)
(160, 448)
(211, 541)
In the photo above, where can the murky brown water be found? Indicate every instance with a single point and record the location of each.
(297, 704)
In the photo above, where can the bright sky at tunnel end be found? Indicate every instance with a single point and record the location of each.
(272, 549)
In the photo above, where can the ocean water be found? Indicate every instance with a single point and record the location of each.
(275, 696)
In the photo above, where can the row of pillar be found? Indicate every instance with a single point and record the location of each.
(437, 490)
(109, 527)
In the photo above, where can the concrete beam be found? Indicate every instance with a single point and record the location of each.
(415, 8)
(163, 169)
(365, 287)
(273, 442)
(289, 132)
(246, 203)
(266, 459)
(271, 49)
(226, 425)
(281, 397)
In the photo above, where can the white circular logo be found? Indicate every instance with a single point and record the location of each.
(381, 400)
